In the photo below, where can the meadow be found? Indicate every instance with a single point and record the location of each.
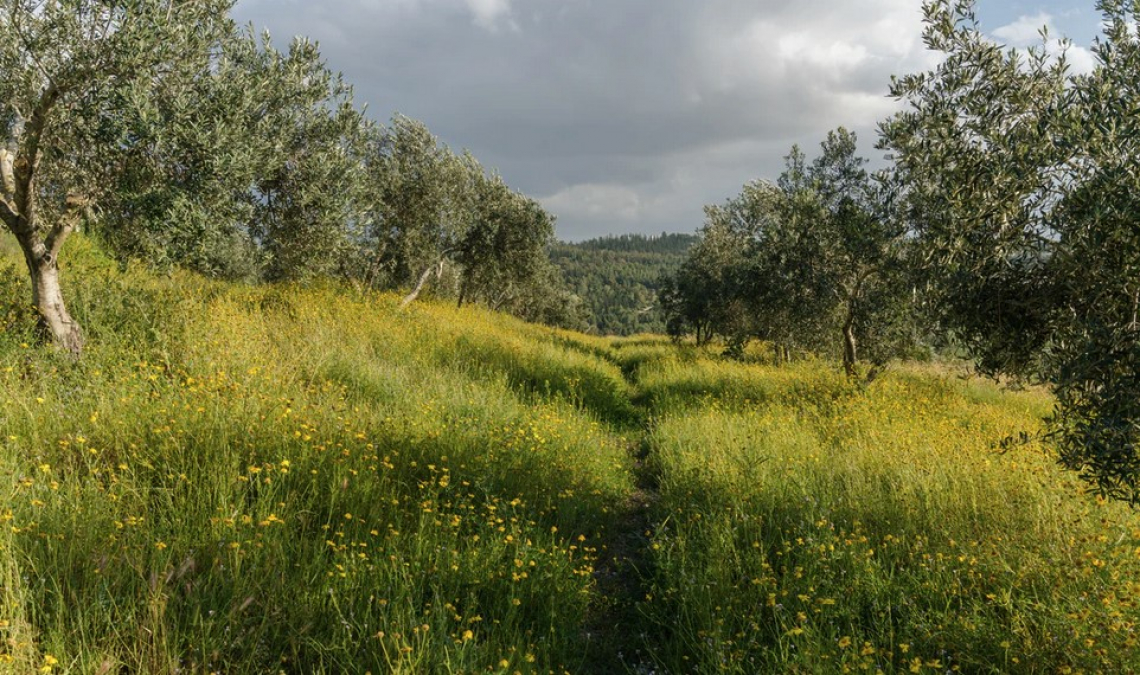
(291, 479)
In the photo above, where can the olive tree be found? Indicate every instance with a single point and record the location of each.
(811, 262)
(438, 214)
(709, 295)
(1022, 185)
(503, 253)
(63, 64)
(251, 163)
(850, 246)
(425, 200)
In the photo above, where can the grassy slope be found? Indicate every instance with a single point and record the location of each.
(250, 480)
(808, 526)
(304, 480)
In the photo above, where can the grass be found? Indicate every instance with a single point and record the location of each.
(836, 529)
(260, 479)
(310, 480)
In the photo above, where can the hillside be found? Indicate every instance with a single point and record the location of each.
(309, 480)
(617, 278)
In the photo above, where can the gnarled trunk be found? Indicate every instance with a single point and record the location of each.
(852, 296)
(18, 211)
(41, 253)
(437, 269)
(48, 300)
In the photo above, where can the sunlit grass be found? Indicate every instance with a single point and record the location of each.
(310, 480)
(888, 530)
(260, 479)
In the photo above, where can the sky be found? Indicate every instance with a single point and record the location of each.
(628, 116)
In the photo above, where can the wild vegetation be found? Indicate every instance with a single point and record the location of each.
(241, 479)
(1005, 225)
(1018, 177)
(807, 524)
(812, 263)
(284, 429)
(275, 478)
(184, 140)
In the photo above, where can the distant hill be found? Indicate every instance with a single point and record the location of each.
(617, 278)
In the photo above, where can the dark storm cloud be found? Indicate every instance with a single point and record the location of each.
(619, 115)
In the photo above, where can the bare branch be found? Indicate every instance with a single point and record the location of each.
(27, 43)
(28, 157)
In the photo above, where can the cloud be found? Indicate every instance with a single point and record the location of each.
(489, 12)
(1081, 61)
(1026, 30)
(621, 114)
(592, 200)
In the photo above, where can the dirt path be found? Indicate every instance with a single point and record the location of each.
(616, 628)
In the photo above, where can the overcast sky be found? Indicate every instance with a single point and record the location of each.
(630, 115)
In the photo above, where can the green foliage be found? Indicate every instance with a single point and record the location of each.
(503, 253)
(17, 318)
(440, 214)
(425, 203)
(249, 479)
(806, 524)
(67, 66)
(664, 243)
(242, 162)
(706, 296)
(1021, 184)
(544, 298)
(185, 141)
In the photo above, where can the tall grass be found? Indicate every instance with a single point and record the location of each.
(833, 529)
(283, 479)
(310, 480)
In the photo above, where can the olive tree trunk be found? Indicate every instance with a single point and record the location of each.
(850, 347)
(41, 253)
(435, 268)
(47, 298)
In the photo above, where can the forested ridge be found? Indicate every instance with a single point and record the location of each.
(617, 278)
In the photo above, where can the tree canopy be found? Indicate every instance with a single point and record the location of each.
(1020, 179)
(68, 65)
(182, 139)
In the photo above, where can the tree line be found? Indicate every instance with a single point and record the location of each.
(180, 138)
(1007, 223)
(812, 260)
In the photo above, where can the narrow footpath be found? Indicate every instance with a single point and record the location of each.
(616, 630)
